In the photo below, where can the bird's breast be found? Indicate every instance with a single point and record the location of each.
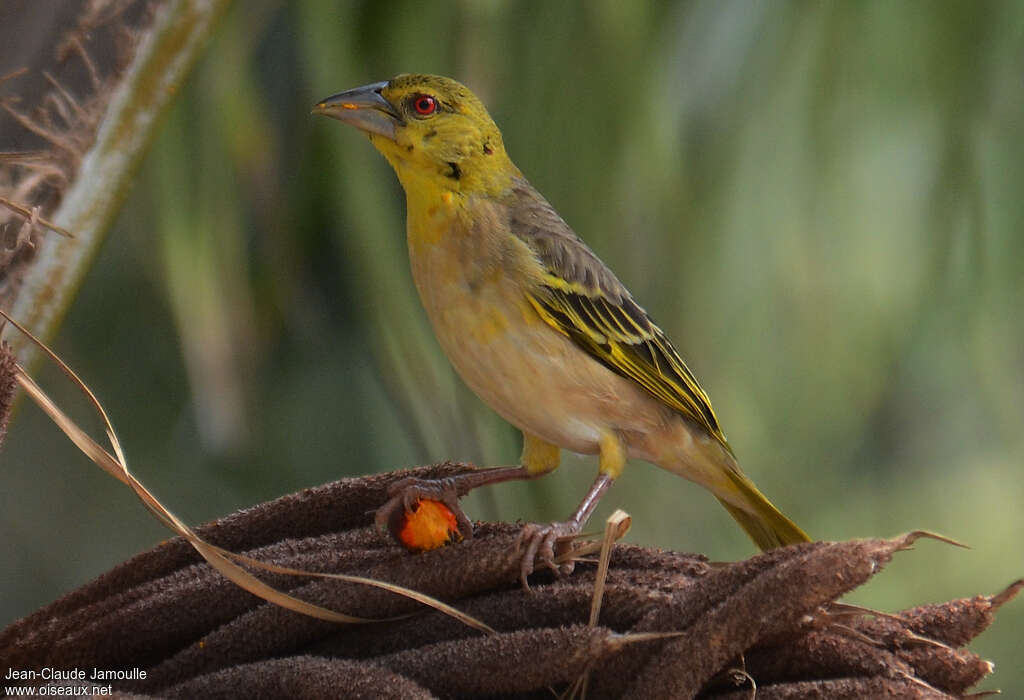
(469, 275)
(474, 277)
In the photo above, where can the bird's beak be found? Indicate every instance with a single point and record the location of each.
(364, 108)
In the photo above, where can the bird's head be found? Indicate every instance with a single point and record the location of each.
(432, 130)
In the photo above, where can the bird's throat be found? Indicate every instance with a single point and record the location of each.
(486, 174)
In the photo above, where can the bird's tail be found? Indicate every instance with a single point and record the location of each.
(765, 524)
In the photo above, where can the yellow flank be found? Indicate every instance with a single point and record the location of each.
(613, 455)
(530, 317)
(539, 457)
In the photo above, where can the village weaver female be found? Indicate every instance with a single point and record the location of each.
(534, 322)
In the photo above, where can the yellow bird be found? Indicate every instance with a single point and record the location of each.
(534, 322)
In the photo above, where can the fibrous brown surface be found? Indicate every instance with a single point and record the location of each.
(671, 625)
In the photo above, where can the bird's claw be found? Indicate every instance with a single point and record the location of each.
(545, 543)
(405, 494)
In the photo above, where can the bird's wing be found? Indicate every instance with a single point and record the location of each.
(583, 299)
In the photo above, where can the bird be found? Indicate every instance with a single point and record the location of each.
(535, 323)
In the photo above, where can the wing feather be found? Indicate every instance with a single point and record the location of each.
(581, 298)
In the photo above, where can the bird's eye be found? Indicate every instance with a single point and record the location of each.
(425, 105)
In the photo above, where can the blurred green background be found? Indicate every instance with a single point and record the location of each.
(821, 203)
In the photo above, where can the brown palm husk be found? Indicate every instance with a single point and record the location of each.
(302, 597)
(670, 625)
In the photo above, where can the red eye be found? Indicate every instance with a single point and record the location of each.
(424, 105)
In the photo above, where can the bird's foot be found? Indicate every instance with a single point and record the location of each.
(544, 544)
(405, 494)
